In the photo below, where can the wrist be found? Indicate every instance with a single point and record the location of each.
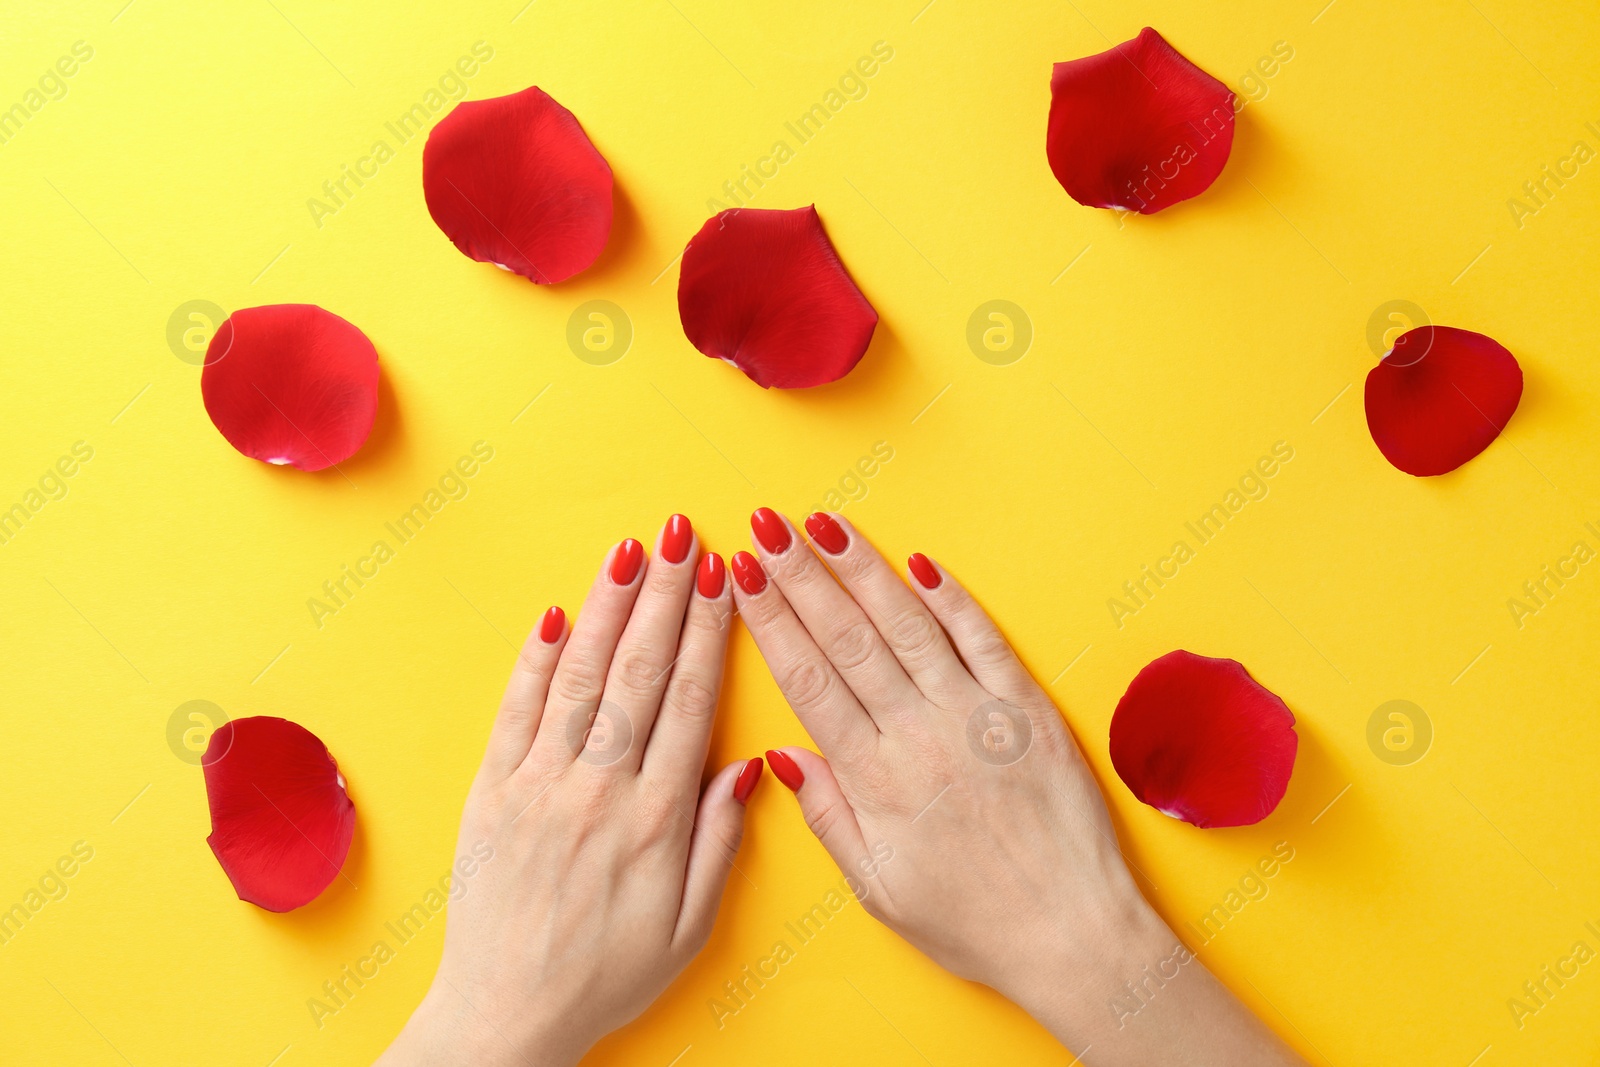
(1082, 981)
(447, 1029)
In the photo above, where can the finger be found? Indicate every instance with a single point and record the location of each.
(823, 804)
(984, 649)
(579, 681)
(637, 677)
(908, 627)
(718, 829)
(675, 753)
(524, 699)
(824, 705)
(835, 621)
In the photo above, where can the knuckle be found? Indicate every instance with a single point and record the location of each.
(592, 805)
(637, 670)
(876, 779)
(694, 696)
(823, 818)
(655, 814)
(516, 717)
(853, 644)
(581, 681)
(989, 645)
(530, 664)
(728, 838)
(759, 612)
(710, 617)
(915, 633)
(807, 682)
(800, 571)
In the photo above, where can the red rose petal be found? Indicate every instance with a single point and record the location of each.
(515, 181)
(281, 821)
(1439, 397)
(1202, 741)
(1138, 127)
(291, 384)
(765, 291)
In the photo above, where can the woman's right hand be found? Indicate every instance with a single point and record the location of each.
(956, 801)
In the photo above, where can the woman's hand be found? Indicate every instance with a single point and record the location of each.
(958, 803)
(590, 863)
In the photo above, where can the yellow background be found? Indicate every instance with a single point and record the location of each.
(1175, 351)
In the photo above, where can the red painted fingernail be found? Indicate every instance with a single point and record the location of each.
(552, 626)
(625, 564)
(748, 779)
(675, 540)
(785, 770)
(926, 573)
(711, 576)
(827, 533)
(748, 573)
(770, 530)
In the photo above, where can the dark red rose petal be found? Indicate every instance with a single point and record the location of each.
(765, 291)
(515, 181)
(1202, 741)
(1138, 127)
(291, 384)
(281, 821)
(1439, 397)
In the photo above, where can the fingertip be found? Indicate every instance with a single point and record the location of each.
(744, 786)
(676, 539)
(748, 573)
(711, 577)
(785, 769)
(927, 573)
(825, 532)
(553, 626)
(626, 562)
(771, 531)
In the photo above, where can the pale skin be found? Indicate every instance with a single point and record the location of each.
(1002, 865)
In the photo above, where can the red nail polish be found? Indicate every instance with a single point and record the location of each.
(770, 530)
(748, 573)
(785, 770)
(826, 532)
(748, 779)
(625, 564)
(675, 539)
(711, 576)
(924, 571)
(552, 626)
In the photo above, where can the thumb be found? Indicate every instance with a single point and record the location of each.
(823, 804)
(718, 829)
